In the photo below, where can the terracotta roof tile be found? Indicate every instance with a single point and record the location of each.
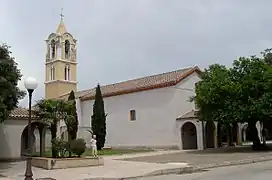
(136, 85)
(189, 115)
(20, 114)
(78, 94)
(142, 84)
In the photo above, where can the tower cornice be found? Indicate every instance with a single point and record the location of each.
(62, 81)
(60, 60)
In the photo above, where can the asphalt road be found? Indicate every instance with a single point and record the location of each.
(254, 171)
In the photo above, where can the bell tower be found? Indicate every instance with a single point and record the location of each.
(60, 63)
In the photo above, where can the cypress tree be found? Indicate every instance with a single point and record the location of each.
(73, 133)
(99, 119)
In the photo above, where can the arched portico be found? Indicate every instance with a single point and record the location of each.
(38, 130)
(189, 136)
(210, 134)
(267, 125)
(191, 131)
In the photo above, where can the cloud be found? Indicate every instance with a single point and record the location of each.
(124, 39)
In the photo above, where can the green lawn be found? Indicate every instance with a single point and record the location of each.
(104, 152)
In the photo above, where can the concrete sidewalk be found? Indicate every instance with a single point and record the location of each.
(113, 169)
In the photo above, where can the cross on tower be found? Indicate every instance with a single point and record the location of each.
(61, 14)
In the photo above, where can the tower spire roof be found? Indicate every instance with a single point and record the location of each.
(61, 28)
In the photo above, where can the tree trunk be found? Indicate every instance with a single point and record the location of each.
(54, 136)
(69, 144)
(219, 144)
(230, 142)
(254, 137)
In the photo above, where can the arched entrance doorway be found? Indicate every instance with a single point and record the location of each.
(189, 136)
(37, 137)
(210, 134)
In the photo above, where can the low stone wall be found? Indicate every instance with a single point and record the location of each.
(63, 163)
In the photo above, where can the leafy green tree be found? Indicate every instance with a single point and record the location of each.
(267, 56)
(51, 111)
(9, 77)
(254, 76)
(66, 113)
(74, 125)
(242, 93)
(215, 97)
(99, 119)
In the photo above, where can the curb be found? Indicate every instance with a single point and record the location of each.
(233, 163)
(179, 170)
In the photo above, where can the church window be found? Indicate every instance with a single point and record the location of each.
(52, 73)
(67, 49)
(132, 115)
(53, 48)
(67, 73)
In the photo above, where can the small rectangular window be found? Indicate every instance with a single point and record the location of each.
(132, 115)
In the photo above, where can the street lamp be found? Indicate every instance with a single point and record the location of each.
(30, 84)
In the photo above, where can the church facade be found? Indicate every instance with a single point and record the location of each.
(143, 112)
(152, 111)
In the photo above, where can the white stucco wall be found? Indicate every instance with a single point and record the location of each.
(156, 113)
(10, 138)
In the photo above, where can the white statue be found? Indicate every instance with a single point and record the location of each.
(93, 146)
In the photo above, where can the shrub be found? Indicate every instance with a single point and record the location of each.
(78, 146)
(60, 146)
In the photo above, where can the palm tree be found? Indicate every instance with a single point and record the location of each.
(52, 111)
(47, 111)
(68, 116)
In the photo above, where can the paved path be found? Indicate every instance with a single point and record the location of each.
(256, 171)
(112, 169)
(131, 165)
(206, 158)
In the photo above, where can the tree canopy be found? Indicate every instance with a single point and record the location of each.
(214, 94)
(9, 77)
(242, 93)
(51, 111)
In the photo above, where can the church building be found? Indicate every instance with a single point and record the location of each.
(152, 111)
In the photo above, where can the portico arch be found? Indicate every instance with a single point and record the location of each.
(189, 136)
(267, 125)
(36, 125)
(210, 134)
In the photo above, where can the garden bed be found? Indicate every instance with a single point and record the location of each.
(63, 163)
(103, 152)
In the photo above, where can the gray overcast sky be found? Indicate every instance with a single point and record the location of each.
(124, 39)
